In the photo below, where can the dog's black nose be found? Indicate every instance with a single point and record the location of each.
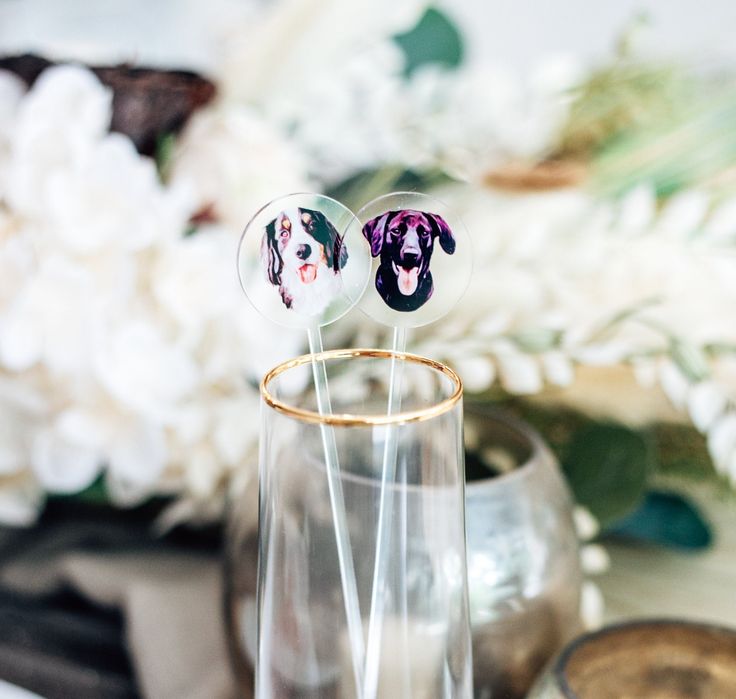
(409, 259)
(303, 252)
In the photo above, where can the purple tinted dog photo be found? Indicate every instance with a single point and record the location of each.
(405, 241)
(302, 255)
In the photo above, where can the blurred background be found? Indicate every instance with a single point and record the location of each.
(183, 34)
(590, 150)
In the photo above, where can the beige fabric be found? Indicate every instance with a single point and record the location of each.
(172, 606)
(173, 612)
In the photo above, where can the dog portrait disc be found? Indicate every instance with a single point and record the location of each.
(421, 259)
(296, 264)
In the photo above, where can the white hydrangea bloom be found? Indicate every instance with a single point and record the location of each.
(51, 320)
(235, 162)
(111, 197)
(61, 119)
(12, 90)
(125, 347)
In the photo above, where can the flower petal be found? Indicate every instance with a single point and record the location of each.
(62, 467)
(722, 440)
(705, 402)
(520, 373)
(476, 372)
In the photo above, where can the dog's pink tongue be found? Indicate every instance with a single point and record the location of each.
(408, 280)
(308, 273)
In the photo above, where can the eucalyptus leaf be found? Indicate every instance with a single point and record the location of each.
(667, 519)
(535, 340)
(691, 360)
(607, 467)
(434, 40)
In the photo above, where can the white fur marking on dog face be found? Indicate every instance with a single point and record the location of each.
(307, 277)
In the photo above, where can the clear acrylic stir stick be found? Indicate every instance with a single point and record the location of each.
(406, 231)
(301, 231)
(339, 517)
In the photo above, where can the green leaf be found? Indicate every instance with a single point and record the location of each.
(535, 340)
(163, 154)
(434, 40)
(607, 468)
(667, 519)
(95, 493)
(369, 184)
(691, 360)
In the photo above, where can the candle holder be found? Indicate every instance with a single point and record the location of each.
(303, 647)
(656, 658)
(523, 559)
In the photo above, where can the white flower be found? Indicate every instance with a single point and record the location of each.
(16, 260)
(16, 430)
(721, 224)
(674, 383)
(133, 449)
(476, 372)
(646, 372)
(638, 208)
(21, 500)
(705, 403)
(558, 368)
(592, 605)
(722, 440)
(63, 116)
(51, 319)
(194, 278)
(143, 371)
(204, 470)
(683, 214)
(519, 373)
(236, 162)
(234, 434)
(11, 91)
(586, 525)
(111, 198)
(594, 559)
(62, 466)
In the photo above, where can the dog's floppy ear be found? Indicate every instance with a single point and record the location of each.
(327, 235)
(443, 231)
(340, 257)
(375, 231)
(270, 256)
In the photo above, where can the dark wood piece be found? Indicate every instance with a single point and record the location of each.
(147, 104)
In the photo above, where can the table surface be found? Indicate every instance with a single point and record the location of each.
(644, 581)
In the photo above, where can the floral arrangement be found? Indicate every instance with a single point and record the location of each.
(128, 354)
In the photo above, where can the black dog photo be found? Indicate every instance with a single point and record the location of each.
(302, 255)
(405, 240)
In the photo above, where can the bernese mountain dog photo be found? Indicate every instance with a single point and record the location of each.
(405, 240)
(302, 255)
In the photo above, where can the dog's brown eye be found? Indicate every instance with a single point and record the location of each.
(284, 233)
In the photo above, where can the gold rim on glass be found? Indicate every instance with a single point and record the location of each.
(348, 419)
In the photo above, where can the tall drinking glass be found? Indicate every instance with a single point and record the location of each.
(305, 648)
